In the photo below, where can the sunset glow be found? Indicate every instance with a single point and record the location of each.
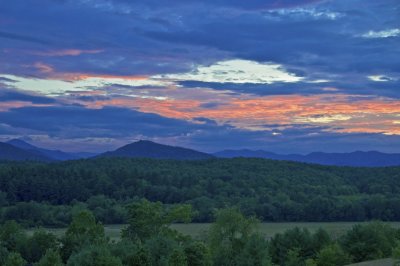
(249, 75)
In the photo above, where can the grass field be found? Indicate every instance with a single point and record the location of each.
(335, 229)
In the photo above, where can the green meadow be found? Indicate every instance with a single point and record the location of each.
(335, 229)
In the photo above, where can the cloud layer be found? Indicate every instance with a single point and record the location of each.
(288, 76)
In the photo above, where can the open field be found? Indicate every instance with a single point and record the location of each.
(335, 229)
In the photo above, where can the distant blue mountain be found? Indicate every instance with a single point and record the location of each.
(357, 158)
(56, 155)
(12, 153)
(149, 149)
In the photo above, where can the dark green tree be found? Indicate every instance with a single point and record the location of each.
(371, 241)
(93, 255)
(50, 258)
(14, 259)
(332, 255)
(148, 219)
(84, 230)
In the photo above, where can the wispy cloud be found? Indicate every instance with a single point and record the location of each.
(382, 34)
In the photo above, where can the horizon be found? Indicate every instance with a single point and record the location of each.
(199, 150)
(289, 77)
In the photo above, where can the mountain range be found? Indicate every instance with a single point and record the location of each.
(357, 158)
(20, 150)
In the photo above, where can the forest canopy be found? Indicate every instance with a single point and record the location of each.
(50, 193)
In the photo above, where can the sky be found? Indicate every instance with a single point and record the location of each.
(281, 75)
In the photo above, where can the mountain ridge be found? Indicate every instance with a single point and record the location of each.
(12, 153)
(356, 158)
(149, 149)
(56, 155)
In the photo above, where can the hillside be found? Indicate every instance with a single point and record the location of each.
(10, 152)
(149, 149)
(271, 190)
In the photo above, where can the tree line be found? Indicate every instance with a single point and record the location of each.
(232, 240)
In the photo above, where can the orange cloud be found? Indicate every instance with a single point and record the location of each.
(339, 112)
(50, 73)
(6, 106)
(43, 68)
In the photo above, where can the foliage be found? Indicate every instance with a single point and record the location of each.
(197, 254)
(84, 230)
(148, 219)
(93, 255)
(368, 242)
(51, 258)
(37, 194)
(38, 244)
(12, 236)
(233, 238)
(14, 259)
(332, 255)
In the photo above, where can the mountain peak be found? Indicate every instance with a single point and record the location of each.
(150, 149)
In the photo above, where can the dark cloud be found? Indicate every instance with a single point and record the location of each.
(24, 38)
(8, 95)
(111, 122)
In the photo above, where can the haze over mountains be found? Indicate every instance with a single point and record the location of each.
(20, 150)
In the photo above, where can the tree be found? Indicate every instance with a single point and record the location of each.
(131, 253)
(148, 219)
(93, 255)
(197, 253)
(160, 249)
(229, 234)
(255, 252)
(14, 259)
(293, 258)
(177, 258)
(51, 258)
(13, 236)
(83, 230)
(396, 254)
(332, 255)
(294, 240)
(38, 244)
(371, 241)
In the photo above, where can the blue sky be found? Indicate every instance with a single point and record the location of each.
(285, 76)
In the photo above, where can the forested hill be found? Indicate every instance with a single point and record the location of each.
(272, 190)
(149, 149)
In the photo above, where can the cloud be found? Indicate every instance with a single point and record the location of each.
(381, 78)
(66, 52)
(24, 38)
(60, 84)
(237, 72)
(382, 34)
(10, 95)
(280, 74)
